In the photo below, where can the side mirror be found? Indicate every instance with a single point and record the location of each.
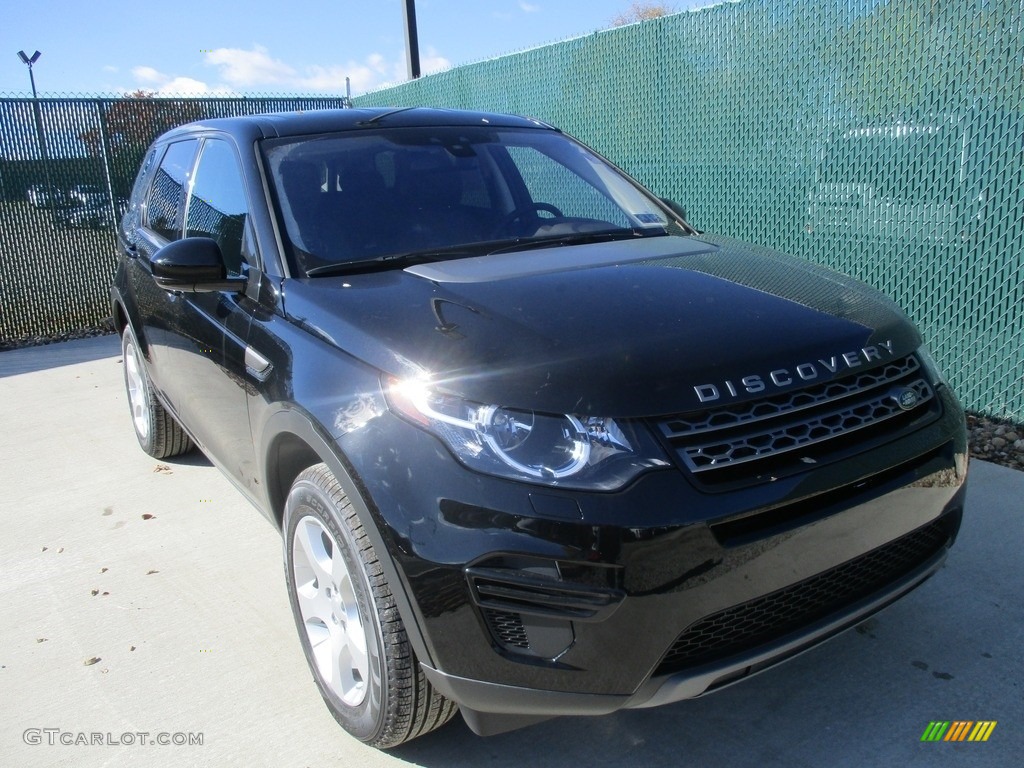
(675, 207)
(679, 211)
(193, 265)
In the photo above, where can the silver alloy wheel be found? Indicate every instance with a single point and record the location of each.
(138, 397)
(330, 611)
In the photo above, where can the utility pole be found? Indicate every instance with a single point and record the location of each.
(412, 41)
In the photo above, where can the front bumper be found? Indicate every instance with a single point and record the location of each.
(491, 708)
(531, 603)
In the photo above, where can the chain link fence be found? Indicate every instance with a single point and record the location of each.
(66, 169)
(882, 138)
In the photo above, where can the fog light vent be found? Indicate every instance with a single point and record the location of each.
(507, 629)
(529, 608)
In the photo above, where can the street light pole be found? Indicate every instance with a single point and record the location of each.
(51, 193)
(29, 61)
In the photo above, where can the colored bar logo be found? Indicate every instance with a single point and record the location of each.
(959, 730)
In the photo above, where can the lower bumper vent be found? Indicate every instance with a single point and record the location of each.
(507, 628)
(530, 608)
(749, 625)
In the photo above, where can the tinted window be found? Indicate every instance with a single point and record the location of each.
(359, 195)
(140, 182)
(217, 207)
(131, 220)
(166, 206)
(548, 181)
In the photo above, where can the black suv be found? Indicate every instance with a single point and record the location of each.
(535, 446)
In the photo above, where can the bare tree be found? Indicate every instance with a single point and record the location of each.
(643, 12)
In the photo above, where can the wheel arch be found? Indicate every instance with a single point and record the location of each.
(118, 316)
(292, 444)
(124, 314)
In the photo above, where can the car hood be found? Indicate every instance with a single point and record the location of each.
(643, 327)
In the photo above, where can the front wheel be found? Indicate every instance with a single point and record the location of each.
(351, 632)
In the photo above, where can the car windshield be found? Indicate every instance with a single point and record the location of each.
(386, 194)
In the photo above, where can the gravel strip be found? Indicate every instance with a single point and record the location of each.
(1001, 442)
(994, 440)
(103, 329)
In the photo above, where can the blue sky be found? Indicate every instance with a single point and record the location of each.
(264, 46)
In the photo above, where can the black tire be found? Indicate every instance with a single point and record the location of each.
(390, 701)
(158, 433)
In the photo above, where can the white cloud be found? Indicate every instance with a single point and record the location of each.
(257, 71)
(149, 76)
(319, 78)
(111, 69)
(529, 7)
(187, 86)
(434, 62)
(250, 68)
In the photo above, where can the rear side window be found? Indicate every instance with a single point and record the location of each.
(132, 218)
(166, 205)
(139, 189)
(217, 207)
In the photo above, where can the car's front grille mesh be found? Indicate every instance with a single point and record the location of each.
(764, 619)
(747, 433)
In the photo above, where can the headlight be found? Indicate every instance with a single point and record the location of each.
(569, 451)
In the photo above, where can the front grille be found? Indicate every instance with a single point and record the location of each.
(749, 625)
(783, 433)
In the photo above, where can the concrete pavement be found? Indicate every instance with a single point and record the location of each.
(163, 573)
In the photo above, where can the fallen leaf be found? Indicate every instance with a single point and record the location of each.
(164, 468)
(60, 550)
(45, 548)
(108, 511)
(42, 639)
(132, 648)
(103, 570)
(90, 662)
(94, 592)
(150, 573)
(148, 516)
(105, 594)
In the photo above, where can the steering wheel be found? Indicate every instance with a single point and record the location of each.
(525, 210)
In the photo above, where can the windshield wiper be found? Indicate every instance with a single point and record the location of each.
(388, 260)
(577, 238)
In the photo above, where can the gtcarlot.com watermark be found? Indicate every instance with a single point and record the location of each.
(58, 736)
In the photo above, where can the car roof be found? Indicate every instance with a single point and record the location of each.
(300, 123)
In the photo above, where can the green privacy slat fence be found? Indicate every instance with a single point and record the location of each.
(883, 139)
(60, 195)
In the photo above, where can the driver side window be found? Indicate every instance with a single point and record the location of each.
(218, 207)
(166, 205)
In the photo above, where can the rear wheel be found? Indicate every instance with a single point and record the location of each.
(351, 632)
(158, 433)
